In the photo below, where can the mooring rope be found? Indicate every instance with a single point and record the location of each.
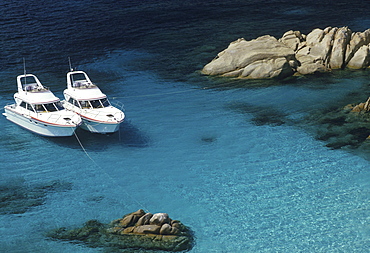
(103, 171)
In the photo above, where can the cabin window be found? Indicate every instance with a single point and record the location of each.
(85, 104)
(75, 103)
(59, 106)
(96, 103)
(40, 108)
(77, 79)
(30, 107)
(105, 102)
(50, 107)
(27, 106)
(23, 104)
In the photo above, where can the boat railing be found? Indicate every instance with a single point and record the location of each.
(118, 104)
(11, 105)
(102, 115)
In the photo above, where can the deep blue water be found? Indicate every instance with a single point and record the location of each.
(191, 145)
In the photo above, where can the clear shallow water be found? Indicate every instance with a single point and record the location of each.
(191, 146)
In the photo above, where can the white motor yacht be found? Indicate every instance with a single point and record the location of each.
(87, 100)
(38, 110)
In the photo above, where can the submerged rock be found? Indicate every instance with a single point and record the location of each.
(343, 127)
(137, 230)
(262, 115)
(17, 197)
(294, 53)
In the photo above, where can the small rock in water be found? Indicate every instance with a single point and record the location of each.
(209, 139)
(137, 230)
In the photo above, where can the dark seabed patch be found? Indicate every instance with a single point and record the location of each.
(208, 139)
(17, 197)
(262, 115)
(340, 127)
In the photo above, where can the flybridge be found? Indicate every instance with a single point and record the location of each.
(79, 79)
(30, 83)
(38, 110)
(87, 100)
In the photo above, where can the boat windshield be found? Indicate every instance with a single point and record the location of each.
(96, 103)
(85, 104)
(59, 106)
(105, 102)
(40, 108)
(50, 107)
(77, 79)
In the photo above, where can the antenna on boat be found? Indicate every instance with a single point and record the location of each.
(70, 64)
(24, 70)
(70, 69)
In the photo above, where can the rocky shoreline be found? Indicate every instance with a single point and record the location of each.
(322, 50)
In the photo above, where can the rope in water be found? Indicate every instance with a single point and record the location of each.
(104, 172)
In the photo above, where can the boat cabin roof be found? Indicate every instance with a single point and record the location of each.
(29, 83)
(32, 91)
(79, 79)
(80, 87)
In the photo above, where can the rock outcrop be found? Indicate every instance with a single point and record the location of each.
(135, 230)
(362, 107)
(294, 53)
(264, 57)
(347, 126)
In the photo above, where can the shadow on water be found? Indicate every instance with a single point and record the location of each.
(128, 135)
(227, 83)
(318, 81)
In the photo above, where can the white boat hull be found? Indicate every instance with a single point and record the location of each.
(85, 98)
(37, 126)
(99, 127)
(103, 120)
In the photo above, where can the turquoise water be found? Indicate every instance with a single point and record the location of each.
(191, 153)
(231, 159)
